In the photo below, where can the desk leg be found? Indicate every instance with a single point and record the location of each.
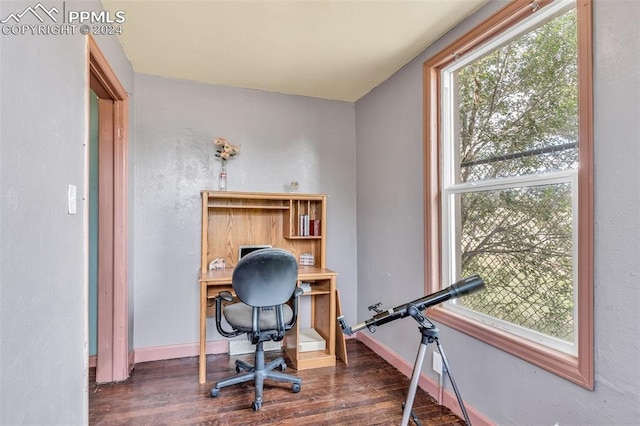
(332, 318)
(202, 378)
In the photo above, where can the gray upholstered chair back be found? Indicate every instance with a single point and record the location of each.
(265, 277)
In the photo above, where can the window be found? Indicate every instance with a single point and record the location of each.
(509, 183)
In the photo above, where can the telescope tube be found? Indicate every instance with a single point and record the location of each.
(458, 289)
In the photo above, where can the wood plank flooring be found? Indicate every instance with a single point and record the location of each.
(368, 391)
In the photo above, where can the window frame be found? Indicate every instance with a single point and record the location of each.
(576, 368)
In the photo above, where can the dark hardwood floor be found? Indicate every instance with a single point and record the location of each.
(368, 391)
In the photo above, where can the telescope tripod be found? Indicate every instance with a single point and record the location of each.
(429, 334)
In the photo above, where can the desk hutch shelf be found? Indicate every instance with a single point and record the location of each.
(232, 219)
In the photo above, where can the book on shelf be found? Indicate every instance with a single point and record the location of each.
(314, 227)
(308, 227)
(303, 226)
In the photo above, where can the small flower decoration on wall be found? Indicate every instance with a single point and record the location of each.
(226, 150)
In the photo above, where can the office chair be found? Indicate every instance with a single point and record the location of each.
(264, 281)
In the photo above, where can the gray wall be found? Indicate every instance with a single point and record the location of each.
(43, 133)
(42, 307)
(282, 138)
(390, 238)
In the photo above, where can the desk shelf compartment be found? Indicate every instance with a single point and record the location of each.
(234, 219)
(318, 287)
(305, 219)
(323, 314)
(212, 293)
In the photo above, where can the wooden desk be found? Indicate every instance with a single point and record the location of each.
(323, 316)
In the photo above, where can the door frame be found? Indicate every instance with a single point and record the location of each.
(114, 362)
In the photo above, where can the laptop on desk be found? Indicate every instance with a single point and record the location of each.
(246, 249)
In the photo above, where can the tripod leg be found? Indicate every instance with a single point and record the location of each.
(415, 376)
(413, 416)
(453, 382)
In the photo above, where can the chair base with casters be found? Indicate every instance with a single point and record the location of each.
(265, 309)
(259, 372)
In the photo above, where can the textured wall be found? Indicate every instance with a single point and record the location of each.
(390, 237)
(43, 132)
(282, 138)
(42, 305)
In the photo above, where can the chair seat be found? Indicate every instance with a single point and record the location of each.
(239, 316)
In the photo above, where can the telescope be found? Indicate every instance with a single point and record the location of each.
(460, 288)
(428, 331)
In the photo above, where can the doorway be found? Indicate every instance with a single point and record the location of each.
(113, 360)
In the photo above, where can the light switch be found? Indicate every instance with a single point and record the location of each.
(72, 198)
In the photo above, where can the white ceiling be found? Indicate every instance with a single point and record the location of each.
(332, 49)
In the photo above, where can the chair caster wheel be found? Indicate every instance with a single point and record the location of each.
(238, 369)
(295, 388)
(255, 405)
(215, 392)
(283, 367)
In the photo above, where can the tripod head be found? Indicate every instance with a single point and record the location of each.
(460, 288)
